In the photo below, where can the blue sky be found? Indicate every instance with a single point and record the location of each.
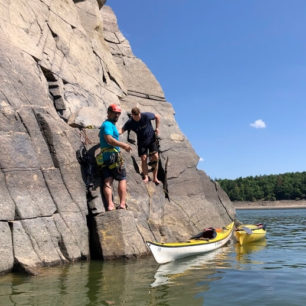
(235, 73)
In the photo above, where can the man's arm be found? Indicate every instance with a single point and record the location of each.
(157, 121)
(125, 127)
(113, 142)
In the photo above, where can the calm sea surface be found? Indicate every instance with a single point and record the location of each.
(272, 272)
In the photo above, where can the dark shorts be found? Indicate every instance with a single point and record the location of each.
(144, 149)
(117, 173)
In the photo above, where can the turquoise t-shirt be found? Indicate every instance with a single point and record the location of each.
(108, 128)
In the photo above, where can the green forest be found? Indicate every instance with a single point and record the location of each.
(287, 186)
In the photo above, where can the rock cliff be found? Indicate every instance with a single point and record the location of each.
(62, 63)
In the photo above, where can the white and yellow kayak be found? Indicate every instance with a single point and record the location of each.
(248, 233)
(166, 252)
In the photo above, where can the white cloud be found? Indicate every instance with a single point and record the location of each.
(258, 124)
(201, 159)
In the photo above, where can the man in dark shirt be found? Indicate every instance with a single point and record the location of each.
(141, 124)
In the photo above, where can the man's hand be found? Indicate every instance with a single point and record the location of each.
(113, 142)
(126, 147)
(157, 131)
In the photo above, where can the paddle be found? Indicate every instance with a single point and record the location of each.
(247, 230)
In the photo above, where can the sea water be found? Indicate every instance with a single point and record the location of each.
(270, 272)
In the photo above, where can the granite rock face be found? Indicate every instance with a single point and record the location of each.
(61, 64)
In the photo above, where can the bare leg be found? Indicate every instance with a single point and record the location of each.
(107, 191)
(122, 193)
(155, 171)
(144, 168)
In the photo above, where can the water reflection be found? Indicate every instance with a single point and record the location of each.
(243, 251)
(180, 282)
(55, 286)
(88, 283)
(168, 273)
(208, 263)
(116, 283)
(275, 267)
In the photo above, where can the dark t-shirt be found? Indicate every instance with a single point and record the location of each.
(143, 128)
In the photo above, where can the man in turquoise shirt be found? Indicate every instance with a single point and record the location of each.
(110, 148)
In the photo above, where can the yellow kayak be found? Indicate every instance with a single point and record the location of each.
(248, 233)
(166, 252)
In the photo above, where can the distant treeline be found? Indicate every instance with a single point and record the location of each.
(287, 186)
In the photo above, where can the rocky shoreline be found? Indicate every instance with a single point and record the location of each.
(285, 204)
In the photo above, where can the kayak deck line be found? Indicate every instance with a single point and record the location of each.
(182, 244)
